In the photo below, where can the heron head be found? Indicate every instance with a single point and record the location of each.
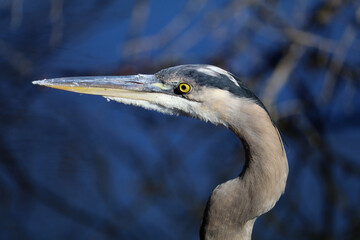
(200, 91)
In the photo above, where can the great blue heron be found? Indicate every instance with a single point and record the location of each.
(211, 94)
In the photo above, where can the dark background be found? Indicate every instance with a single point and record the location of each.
(78, 167)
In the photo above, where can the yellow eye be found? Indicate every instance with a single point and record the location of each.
(184, 88)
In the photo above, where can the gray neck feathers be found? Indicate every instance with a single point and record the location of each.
(234, 205)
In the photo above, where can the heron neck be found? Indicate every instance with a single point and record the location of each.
(265, 171)
(234, 205)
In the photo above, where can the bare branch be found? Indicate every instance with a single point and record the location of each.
(335, 67)
(282, 72)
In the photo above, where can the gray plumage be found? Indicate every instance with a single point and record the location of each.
(210, 94)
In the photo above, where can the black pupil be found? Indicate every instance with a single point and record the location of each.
(181, 89)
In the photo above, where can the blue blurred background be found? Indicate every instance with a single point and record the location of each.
(78, 167)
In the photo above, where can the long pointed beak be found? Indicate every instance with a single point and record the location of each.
(108, 86)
